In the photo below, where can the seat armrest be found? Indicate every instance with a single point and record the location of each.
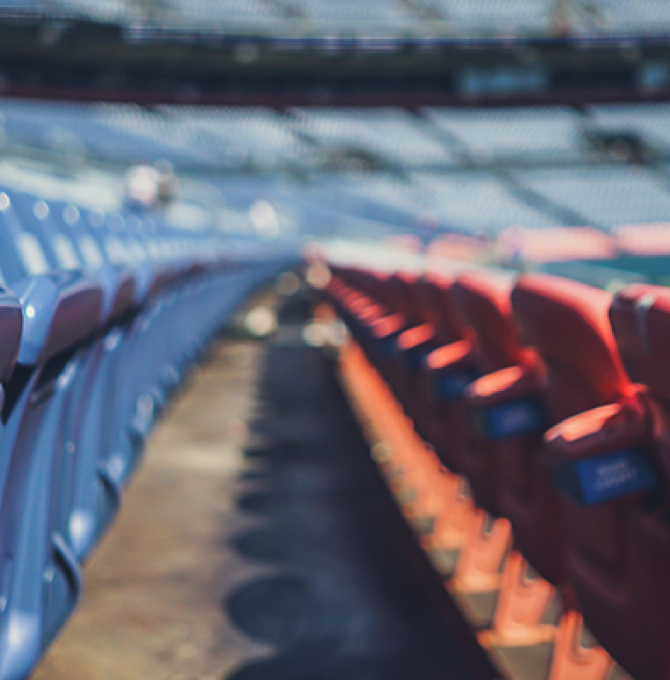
(59, 311)
(508, 403)
(119, 292)
(414, 344)
(388, 326)
(415, 337)
(11, 327)
(605, 453)
(451, 369)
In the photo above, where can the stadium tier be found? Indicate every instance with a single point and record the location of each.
(523, 390)
(392, 278)
(102, 316)
(605, 196)
(461, 170)
(552, 135)
(130, 235)
(393, 17)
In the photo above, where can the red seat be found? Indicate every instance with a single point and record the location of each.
(567, 323)
(485, 298)
(438, 325)
(484, 303)
(408, 328)
(362, 298)
(620, 557)
(439, 309)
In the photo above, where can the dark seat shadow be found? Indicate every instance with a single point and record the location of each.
(288, 540)
(325, 659)
(351, 596)
(278, 610)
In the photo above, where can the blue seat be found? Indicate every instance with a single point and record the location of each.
(139, 400)
(41, 577)
(91, 495)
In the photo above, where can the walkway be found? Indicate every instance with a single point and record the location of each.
(259, 543)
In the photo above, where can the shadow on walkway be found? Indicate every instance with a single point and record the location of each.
(351, 596)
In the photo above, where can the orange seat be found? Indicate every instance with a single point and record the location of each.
(617, 518)
(484, 303)
(567, 323)
(440, 325)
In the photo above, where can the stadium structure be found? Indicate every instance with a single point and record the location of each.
(381, 287)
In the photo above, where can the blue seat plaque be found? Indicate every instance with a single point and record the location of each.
(452, 384)
(388, 346)
(608, 476)
(415, 357)
(512, 418)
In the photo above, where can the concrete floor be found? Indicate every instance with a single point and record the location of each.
(258, 542)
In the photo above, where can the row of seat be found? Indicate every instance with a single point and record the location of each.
(555, 174)
(101, 316)
(552, 399)
(496, 17)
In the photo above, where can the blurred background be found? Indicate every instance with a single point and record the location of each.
(532, 134)
(475, 127)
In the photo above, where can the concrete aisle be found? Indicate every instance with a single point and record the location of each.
(259, 543)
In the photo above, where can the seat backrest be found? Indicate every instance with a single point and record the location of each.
(439, 308)
(567, 322)
(69, 221)
(483, 300)
(11, 324)
(640, 318)
(36, 220)
(400, 296)
(352, 276)
(61, 224)
(369, 282)
(21, 253)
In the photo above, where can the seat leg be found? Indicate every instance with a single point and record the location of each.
(448, 532)
(522, 603)
(478, 567)
(573, 661)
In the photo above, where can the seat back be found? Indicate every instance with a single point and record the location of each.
(11, 326)
(439, 309)
(483, 301)
(61, 310)
(567, 322)
(370, 282)
(597, 424)
(640, 318)
(400, 297)
(37, 221)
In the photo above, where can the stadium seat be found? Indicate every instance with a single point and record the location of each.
(611, 463)
(567, 323)
(407, 347)
(93, 495)
(115, 309)
(484, 303)
(137, 402)
(41, 574)
(582, 379)
(450, 369)
(441, 327)
(379, 320)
